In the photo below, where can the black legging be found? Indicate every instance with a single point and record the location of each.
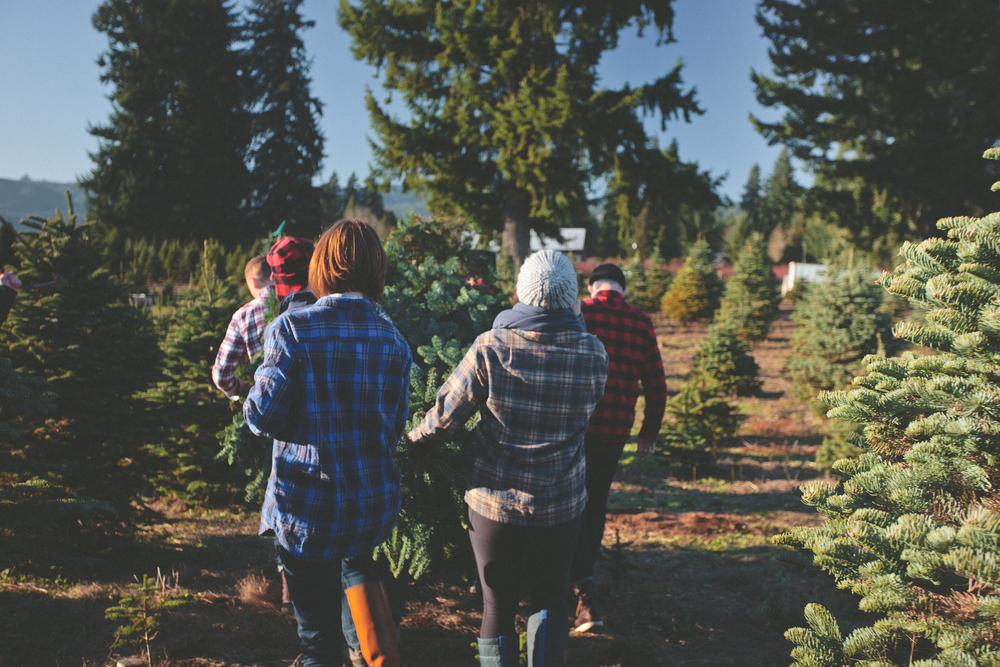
(506, 552)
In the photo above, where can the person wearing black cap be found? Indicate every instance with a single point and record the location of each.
(634, 358)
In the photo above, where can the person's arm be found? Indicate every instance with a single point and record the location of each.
(654, 388)
(227, 359)
(269, 403)
(457, 401)
(9, 285)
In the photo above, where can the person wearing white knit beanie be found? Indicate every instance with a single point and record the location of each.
(535, 378)
(547, 280)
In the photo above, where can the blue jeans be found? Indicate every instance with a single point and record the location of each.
(321, 610)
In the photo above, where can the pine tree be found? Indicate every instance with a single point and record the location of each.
(698, 421)
(723, 366)
(695, 290)
(780, 199)
(68, 482)
(287, 147)
(750, 301)
(885, 101)
(515, 88)
(440, 316)
(646, 287)
(750, 201)
(839, 323)
(914, 527)
(170, 160)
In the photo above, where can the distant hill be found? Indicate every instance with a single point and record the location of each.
(400, 203)
(24, 197)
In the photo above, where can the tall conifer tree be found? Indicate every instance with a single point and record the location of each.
(885, 100)
(287, 146)
(170, 160)
(508, 121)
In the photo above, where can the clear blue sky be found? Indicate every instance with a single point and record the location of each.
(50, 90)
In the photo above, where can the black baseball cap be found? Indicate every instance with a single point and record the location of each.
(607, 272)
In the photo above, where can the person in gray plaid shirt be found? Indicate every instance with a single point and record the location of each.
(535, 378)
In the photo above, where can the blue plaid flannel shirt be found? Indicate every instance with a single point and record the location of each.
(332, 391)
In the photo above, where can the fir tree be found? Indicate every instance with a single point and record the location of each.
(750, 201)
(750, 301)
(698, 421)
(515, 86)
(695, 290)
(170, 160)
(646, 287)
(914, 527)
(440, 316)
(722, 366)
(287, 147)
(68, 483)
(885, 101)
(780, 199)
(840, 321)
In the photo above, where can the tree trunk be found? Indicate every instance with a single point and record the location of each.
(516, 236)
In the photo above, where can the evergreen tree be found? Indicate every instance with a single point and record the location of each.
(884, 100)
(170, 161)
(287, 146)
(698, 421)
(440, 316)
(914, 527)
(750, 201)
(662, 204)
(695, 290)
(750, 301)
(723, 366)
(508, 121)
(646, 287)
(69, 482)
(840, 322)
(780, 199)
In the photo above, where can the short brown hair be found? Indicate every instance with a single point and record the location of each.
(258, 268)
(348, 258)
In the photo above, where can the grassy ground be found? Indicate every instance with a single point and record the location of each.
(689, 576)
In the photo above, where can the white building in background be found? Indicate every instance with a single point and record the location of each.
(574, 240)
(800, 272)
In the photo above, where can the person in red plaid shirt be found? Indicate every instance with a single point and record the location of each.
(630, 341)
(245, 334)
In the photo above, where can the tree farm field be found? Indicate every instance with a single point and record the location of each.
(688, 575)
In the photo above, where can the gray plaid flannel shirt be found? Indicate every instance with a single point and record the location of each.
(535, 393)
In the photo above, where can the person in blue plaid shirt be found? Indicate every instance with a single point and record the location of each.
(535, 378)
(332, 391)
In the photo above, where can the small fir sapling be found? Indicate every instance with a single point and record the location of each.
(914, 523)
(840, 321)
(646, 287)
(750, 301)
(139, 610)
(697, 422)
(723, 366)
(695, 290)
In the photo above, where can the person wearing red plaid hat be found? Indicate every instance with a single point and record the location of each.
(289, 262)
(634, 358)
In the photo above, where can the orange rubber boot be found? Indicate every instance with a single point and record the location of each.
(373, 621)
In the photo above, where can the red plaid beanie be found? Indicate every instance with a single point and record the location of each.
(289, 262)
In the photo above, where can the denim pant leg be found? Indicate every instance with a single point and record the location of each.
(315, 588)
(356, 570)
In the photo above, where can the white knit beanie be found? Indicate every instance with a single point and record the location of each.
(547, 280)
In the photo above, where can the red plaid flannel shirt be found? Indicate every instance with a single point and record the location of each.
(634, 357)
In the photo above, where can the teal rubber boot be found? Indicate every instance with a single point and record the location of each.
(548, 635)
(498, 652)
